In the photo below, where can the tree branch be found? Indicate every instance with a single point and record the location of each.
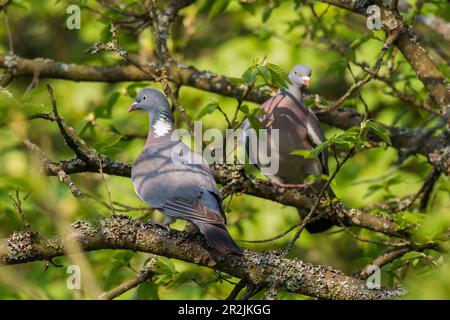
(144, 275)
(261, 269)
(402, 138)
(242, 183)
(407, 42)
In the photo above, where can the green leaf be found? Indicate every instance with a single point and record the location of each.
(265, 74)
(7, 100)
(165, 267)
(249, 75)
(279, 77)
(237, 81)
(107, 143)
(249, 7)
(314, 153)
(409, 219)
(132, 89)
(413, 255)
(217, 8)
(179, 280)
(114, 275)
(124, 256)
(208, 109)
(379, 130)
(110, 104)
(303, 153)
(255, 123)
(359, 41)
(244, 109)
(21, 4)
(348, 139)
(338, 67)
(147, 291)
(266, 14)
(311, 178)
(372, 189)
(105, 34)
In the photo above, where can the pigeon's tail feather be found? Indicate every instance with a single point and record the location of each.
(219, 238)
(317, 226)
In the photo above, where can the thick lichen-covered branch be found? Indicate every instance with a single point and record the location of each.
(263, 269)
(403, 138)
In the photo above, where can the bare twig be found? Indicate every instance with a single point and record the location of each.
(319, 197)
(17, 203)
(161, 33)
(144, 275)
(250, 292)
(370, 73)
(45, 116)
(55, 169)
(236, 290)
(6, 78)
(385, 258)
(427, 187)
(8, 29)
(282, 234)
(437, 24)
(241, 99)
(390, 256)
(105, 183)
(425, 69)
(401, 243)
(78, 145)
(4, 4)
(119, 207)
(33, 83)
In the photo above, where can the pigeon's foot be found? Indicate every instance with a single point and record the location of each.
(293, 185)
(163, 225)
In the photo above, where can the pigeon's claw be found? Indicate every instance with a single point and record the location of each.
(293, 185)
(164, 224)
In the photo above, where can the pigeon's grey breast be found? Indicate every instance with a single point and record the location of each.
(167, 171)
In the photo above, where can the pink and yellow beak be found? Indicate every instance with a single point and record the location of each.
(133, 107)
(306, 81)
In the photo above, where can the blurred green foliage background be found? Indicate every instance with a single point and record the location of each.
(225, 43)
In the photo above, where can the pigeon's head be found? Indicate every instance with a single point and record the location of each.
(300, 75)
(149, 100)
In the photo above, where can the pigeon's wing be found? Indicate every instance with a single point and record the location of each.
(209, 193)
(316, 137)
(201, 174)
(266, 119)
(172, 171)
(191, 209)
(210, 223)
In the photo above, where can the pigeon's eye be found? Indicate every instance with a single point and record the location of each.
(144, 98)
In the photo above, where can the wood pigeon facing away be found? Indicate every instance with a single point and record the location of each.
(175, 180)
(299, 129)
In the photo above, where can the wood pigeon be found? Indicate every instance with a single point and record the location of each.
(298, 129)
(174, 180)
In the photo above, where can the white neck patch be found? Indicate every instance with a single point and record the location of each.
(162, 127)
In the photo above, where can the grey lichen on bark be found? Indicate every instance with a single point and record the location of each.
(263, 269)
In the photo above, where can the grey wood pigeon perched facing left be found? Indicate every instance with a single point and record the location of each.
(176, 181)
(298, 129)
